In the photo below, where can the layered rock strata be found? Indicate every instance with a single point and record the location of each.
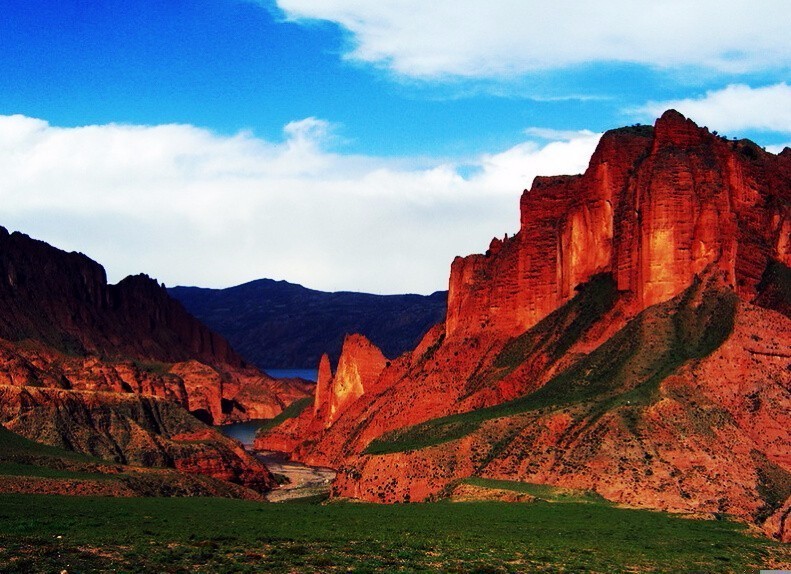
(129, 430)
(655, 207)
(63, 325)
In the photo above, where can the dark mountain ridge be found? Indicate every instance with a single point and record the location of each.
(277, 324)
(63, 300)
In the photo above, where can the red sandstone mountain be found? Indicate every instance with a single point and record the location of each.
(633, 338)
(131, 429)
(83, 364)
(64, 301)
(129, 337)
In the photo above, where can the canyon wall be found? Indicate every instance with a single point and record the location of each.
(631, 338)
(129, 429)
(62, 325)
(63, 300)
(655, 207)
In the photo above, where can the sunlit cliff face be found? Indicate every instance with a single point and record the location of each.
(360, 364)
(657, 380)
(656, 207)
(323, 382)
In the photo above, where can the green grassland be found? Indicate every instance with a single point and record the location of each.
(545, 492)
(51, 533)
(22, 457)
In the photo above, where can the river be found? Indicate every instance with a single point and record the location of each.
(307, 374)
(303, 480)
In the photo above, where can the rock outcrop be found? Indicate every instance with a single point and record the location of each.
(62, 325)
(631, 339)
(323, 385)
(359, 367)
(213, 394)
(655, 207)
(33, 468)
(115, 371)
(129, 429)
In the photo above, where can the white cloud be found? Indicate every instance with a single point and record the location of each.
(557, 135)
(777, 148)
(735, 107)
(498, 38)
(189, 206)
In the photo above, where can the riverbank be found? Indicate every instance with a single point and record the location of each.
(298, 480)
(303, 481)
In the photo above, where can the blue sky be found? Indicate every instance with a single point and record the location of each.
(344, 144)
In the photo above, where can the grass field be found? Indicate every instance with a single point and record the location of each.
(51, 533)
(545, 492)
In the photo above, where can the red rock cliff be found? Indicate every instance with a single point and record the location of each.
(63, 300)
(130, 338)
(323, 384)
(360, 364)
(129, 429)
(632, 338)
(655, 207)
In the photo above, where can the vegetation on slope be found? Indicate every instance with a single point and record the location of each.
(626, 370)
(553, 336)
(291, 411)
(775, 288)
(29, 466)
(217, 535)
(22, 457)
(545, 492)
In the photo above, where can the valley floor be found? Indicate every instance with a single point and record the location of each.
(303, 481)
(81, 534)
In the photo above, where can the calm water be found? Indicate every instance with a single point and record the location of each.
(309, 374)
(243, 432)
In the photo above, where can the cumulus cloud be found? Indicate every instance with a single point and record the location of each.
(735, 107)
(498, 38)
(189, 206)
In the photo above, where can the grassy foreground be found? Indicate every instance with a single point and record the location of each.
(52, 533)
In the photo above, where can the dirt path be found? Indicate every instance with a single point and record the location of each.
(304, 480)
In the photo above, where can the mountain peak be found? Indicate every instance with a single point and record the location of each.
(674, 129)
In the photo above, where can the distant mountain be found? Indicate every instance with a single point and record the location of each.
(276, 324)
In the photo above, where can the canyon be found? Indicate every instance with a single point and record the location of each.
(632, 339)
(123, 372)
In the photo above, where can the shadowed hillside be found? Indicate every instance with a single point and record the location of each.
(277, 324)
